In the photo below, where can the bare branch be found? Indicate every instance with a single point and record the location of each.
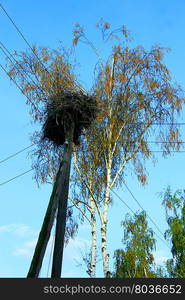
(82, 177)
(82, 212)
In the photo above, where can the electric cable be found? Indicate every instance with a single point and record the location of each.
(134, 214)
(23, 37)
(22, 91)
(12, 155)
(11, 59)
(28, 44)
(128, 189)
(11, 179)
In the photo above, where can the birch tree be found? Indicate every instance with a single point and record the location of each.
(174, 204)
(136, 259)
(138, 100)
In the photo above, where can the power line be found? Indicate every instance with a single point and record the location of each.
(123, 201)
(160, 123)
(19, 175)
(12, 155)
(128, 189)
(12, 58)
(131, 193)
(113, 193)
(26, 41)
(146, 214)
(22, 91)
(156, 151)
(13, 80)
(154, 124)
(23, 37)
(22, 150)
(157, 124)
(77, 84)
(11, 179)
(165, 142)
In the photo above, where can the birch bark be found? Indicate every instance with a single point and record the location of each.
(93, 241)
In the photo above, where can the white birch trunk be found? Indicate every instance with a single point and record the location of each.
(105, 255)
(93, 244)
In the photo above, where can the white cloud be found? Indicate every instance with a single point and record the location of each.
(26, 249)
(26, 240)
(75, 247)
(20, 230)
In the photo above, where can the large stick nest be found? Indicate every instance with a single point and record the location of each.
(65, 109)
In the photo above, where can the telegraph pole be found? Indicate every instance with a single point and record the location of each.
(67, 116)
(45, 232)
(62, 196)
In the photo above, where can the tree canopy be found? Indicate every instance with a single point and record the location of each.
(138, 100)
(136, 260)
(174, 204)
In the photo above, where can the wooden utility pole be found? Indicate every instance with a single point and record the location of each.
(45, 232)
(67, 114)
(62, 195)
(58, 200)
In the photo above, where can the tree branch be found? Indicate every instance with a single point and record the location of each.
(82, 177)
(131, 156)
(82, 212)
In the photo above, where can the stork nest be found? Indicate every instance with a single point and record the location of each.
(65, 109)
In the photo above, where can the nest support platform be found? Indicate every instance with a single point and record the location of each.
(62, 110)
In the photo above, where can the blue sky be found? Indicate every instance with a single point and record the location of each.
(22, 204)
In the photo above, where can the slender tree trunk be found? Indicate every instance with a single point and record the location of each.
(45, 232)
(62, 195)
(105, 255)
(93, 242)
